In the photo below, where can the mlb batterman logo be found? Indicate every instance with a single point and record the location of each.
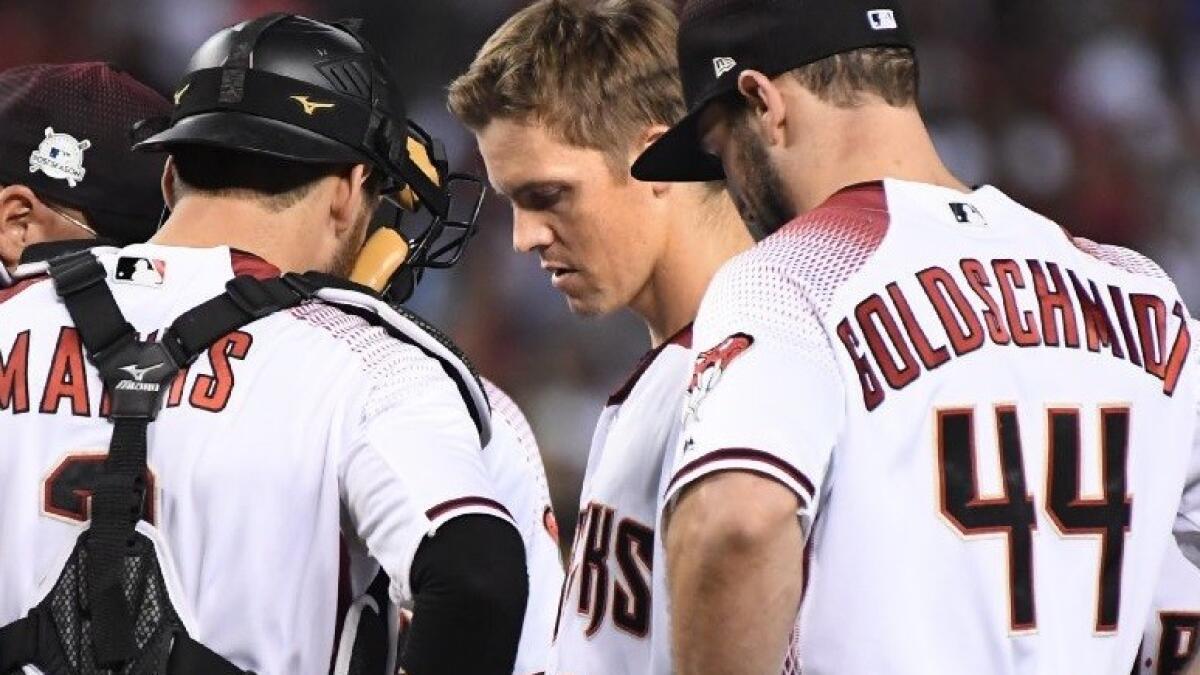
(60, 156)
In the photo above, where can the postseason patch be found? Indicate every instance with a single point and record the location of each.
(140, 271)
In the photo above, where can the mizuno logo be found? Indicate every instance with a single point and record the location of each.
(311, 107)
(179, 94)
(126, 385)
(139, 374)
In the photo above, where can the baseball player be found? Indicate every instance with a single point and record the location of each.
(238, 452)
(105, 96)
(56, 123)
(928, 431)
(557, 134)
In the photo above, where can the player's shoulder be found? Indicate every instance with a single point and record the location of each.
(794, 275)
(398, 352)
(506, 412)
(1124, 259)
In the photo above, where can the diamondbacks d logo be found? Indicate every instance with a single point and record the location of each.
(710, 365)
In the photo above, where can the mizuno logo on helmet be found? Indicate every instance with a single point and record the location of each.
(311, 107)
(183, 90)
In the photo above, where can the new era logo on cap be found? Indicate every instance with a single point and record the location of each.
(723, 64)
(882, 19)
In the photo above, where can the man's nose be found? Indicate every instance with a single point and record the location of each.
(531, 231)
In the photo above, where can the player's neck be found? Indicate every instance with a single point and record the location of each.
(706, 233)
(867, 144)
(207, 222)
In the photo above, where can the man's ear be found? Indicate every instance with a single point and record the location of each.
(648, 138)
(170, 184)
(766, 104)
(16, 218)
(347, 193)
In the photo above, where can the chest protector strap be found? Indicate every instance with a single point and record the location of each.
(110, 604)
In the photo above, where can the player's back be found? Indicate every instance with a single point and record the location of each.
(1019, 409)
(258, 444)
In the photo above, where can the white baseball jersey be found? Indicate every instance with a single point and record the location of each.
(297, 423)
(613, 617)
(514, 465)
(987, 425)
(1173, 630)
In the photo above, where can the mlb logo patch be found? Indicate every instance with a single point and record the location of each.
(140, 271)
(967, 214)
(882, 19)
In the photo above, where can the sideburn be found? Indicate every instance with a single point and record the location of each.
(762, 188)
(347, 254)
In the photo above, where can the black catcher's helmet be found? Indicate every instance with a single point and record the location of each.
(298, 89)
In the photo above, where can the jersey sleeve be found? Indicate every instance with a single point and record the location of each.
(514, 463)
(765, 394)
(1187, 520)
(414, 463)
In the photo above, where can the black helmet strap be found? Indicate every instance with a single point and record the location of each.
(245, 39)
(265, 94)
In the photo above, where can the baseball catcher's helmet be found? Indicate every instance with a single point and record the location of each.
(302, 90)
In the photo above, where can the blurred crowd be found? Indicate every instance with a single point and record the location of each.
(1088, 112)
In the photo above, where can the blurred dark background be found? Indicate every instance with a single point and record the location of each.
(1088, 112)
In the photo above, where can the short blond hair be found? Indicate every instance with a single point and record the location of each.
(597, 73)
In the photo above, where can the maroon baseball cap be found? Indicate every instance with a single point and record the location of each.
(718, 39)
(65, 133)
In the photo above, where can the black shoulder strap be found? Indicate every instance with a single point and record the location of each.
(136, 376)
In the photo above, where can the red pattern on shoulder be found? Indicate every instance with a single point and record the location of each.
(828, 245)
(245, 263)
(11, 292)
(1121, 258)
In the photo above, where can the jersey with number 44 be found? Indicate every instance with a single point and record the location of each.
(987, 424)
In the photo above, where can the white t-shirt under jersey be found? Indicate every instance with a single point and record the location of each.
(613, 617)
(287, 428)
(987, 424)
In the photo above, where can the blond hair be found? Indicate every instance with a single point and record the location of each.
(596, 73)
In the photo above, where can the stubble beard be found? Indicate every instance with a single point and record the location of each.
(761, 198)
(347, 254)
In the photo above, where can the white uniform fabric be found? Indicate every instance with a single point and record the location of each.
(613, 617)
(297, 423)
(909, 360)
(1173, 630)
(514, 465)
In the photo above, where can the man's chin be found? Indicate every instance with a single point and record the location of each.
(589, 307)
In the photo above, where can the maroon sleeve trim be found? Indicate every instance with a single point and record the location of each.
(744, 455)
(11, 292)
(462, 502)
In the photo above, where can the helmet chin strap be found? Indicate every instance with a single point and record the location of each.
(380, 263)
(380, 259)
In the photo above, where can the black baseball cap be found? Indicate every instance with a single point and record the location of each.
(65, 133)
(718, 39)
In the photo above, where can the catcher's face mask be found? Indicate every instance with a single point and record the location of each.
(409, 235)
